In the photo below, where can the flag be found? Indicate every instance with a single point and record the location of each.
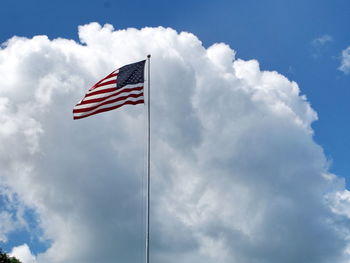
(123, 86)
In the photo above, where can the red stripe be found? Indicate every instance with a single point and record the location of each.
(111, 108)
(108, 102)
(106, 83)
(100, 92)
(107, 77)
(87, 101)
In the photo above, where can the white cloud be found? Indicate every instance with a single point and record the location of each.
(345, 61)
(7, 225)
(23, 253)
(11, 214)
(319, 45)
(236, 175)
(322, 40)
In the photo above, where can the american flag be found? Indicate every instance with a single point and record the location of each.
(123, 86)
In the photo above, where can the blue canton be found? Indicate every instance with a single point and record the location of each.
(131, 74)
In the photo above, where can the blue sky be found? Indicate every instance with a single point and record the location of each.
(302, 40)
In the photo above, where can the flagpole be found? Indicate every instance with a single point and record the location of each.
(148, 158)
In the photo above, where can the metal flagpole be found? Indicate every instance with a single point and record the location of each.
(148, 158)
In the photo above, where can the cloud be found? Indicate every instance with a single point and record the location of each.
(345, 61)
(7, 225)
(236, 175)
(12, 214)
(23, 254)
(319, 45)
(320, 41)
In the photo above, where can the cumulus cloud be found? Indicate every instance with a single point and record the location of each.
(236, 175)
(345, 61)
(23, 253)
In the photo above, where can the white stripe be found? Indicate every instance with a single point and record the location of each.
(106, 94)
(106, 80)
(89, 105)
(101, 95)
(79, 114)
(112, 85)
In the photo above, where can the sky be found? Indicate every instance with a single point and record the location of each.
(250, 139)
